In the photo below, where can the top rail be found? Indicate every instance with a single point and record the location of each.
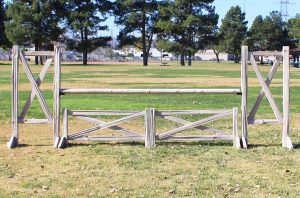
(266, 53)
(149, 91)
(39, 53)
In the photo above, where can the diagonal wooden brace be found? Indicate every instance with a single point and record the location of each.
(266, 90)
(35, 88)
(262, 93)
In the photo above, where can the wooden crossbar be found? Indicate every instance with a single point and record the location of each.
(149, 91)
(267, 53)
(39, 53)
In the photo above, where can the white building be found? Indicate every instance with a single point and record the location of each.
(209, 55)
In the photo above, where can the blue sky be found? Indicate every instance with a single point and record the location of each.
(253, 8)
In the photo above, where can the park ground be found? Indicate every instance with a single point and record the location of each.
(181, 169)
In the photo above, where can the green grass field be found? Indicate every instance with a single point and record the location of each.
(171, 169)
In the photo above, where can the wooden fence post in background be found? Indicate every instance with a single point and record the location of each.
(13, 142)
(57, 78)
(150, 128)
(244, 89)
(286, 140)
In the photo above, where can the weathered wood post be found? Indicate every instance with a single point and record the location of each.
(244, 88)
(286, 140)
(150, 132)
(64, 139)
(14, 140)
(236, 140)
(56, 105)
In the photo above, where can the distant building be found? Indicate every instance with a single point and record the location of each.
(209, 55)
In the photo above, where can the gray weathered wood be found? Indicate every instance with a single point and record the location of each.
(118, 139)
(101, 112)
(57, 84)
(266, 53)
(202, 137)
(265, 121)
(244, 88)
(194, 124)
(286, 140)
(63, 143)
(13, 142)
(149, 91)
(34, 121)
(38, 53)
(184, 122)
(266, 90)
(106, 125)
(32, 94)
(188, 112)
(261, 94)
(115, 128)
(35, 88)
(150, 132)
(236, 138)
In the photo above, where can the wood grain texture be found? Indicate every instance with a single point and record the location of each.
(244, 88)
(150, 132)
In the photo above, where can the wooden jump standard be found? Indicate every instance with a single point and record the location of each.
(282, 119)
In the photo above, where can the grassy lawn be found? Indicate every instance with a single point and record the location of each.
(171, 169)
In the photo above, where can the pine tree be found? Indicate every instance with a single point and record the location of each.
(137, 17)
(293, 27)
(4, 43)
(33, 22)
(189, 24)
(85, 21)
(233, 31)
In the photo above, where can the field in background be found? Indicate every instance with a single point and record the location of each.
(198, 169)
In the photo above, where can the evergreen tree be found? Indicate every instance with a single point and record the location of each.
(293, 27)
(189, 25)
(85, 19)
(32, 22)
(233, 31)
(137, 17)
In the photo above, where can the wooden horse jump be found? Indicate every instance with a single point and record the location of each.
(150, 136)
(281, 118)
(18, 55)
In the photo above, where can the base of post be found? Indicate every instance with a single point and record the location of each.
(63, 143)
(56, 142)
(237, 142)
(244, 143)
(288, 143)
(13, 142)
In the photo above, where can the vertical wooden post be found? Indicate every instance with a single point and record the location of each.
(236, 140)
(64, 139)
(244, 88)
(14, 140)
(56, 111)
(150, 128)
(286, 140)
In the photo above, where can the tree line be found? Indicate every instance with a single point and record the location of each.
(181, 27)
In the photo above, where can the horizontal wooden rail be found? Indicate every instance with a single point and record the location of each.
(39, 53)
(267, 53)
(149, 91)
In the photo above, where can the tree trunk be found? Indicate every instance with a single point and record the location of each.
(85, 51)
(36, 48)
(236, 58)
(41, 58)
(190, 58)
(145, 55)
(217, 55)
(182, 59)
(261, 60)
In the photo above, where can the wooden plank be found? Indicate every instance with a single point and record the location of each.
(261, 94)
(265, 121)
(184, 122)
(34, 121)
(267, 53)
(266, 90)
(189, 112)
(32, 94)
(150, 132)
(36, 88)
(106, 125)
(39, 53)
(194, 124)
(101, 112)
(236, 138)
(56, 95)
(244, 88)
(63, 143)
(115, 128)
(13, 142)
(149, 91)
(194, 138)
(286, 140)
(118, 139)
